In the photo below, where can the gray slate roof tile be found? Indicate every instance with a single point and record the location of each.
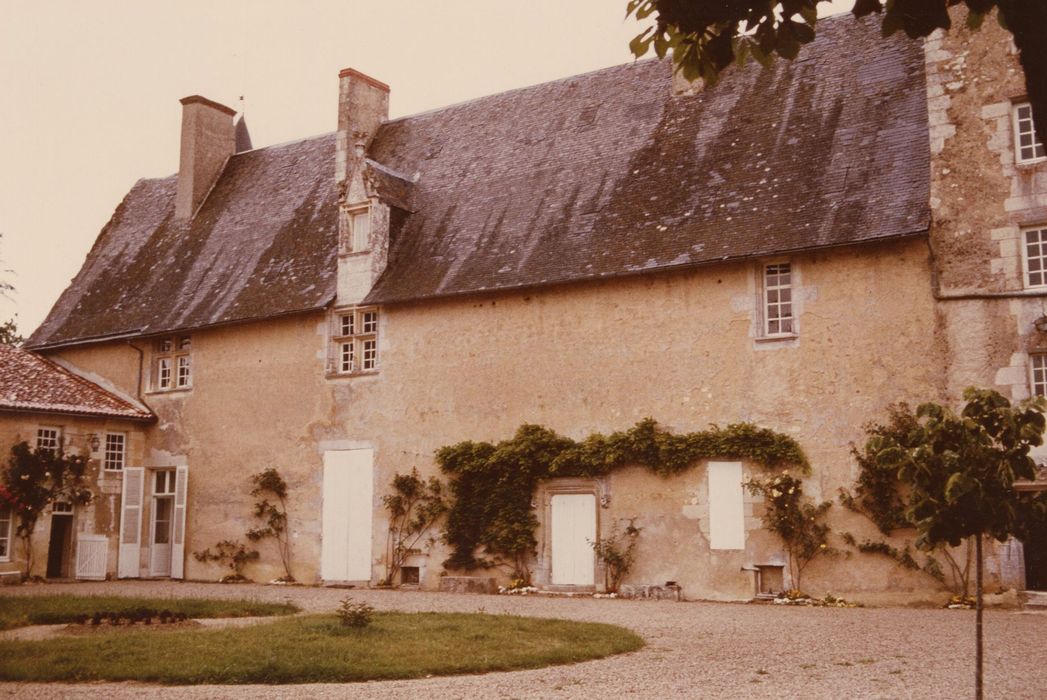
(594, 176)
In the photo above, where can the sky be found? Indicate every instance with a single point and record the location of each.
(89, 91)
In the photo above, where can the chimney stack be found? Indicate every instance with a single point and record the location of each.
(208, 139)
(363, 104)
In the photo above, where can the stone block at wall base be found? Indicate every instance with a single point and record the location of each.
(468, 584)
(649, 591)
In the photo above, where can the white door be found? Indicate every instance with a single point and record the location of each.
(726, 506)
(160, 529)
(573, 531)
(345, 546)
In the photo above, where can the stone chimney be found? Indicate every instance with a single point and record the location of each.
(363, 104)
(208, 139)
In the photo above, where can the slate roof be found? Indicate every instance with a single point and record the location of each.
(594, 176)
(605, 174)
(263, 244)
(29, 382)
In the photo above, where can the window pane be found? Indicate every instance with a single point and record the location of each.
(184, 371)
(361, 230)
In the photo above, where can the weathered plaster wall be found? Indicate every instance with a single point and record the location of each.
(102, 515)
(256, 388)
(678, 347)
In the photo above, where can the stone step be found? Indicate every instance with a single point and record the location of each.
(1035, 599)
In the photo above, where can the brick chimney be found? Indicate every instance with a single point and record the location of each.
(363, 104)
(208, 139)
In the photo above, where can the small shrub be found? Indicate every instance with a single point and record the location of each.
(356, 615)
(617, 557)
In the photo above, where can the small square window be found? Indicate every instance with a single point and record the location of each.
(355, 341)
(172, 363)
(48, 439)
(355, 233)
(1027, 147)
(115, 451)
(410, 575)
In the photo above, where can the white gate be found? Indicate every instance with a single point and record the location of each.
(345, 546)
(573, 530)
(91, 552)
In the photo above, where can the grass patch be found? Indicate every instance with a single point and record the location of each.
(20, 611)
(317, 649)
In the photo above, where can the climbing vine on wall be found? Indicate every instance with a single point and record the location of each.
(492, 484)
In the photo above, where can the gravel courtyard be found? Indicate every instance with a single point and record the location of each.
(693, 650)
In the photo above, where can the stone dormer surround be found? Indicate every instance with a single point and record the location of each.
(363, 105)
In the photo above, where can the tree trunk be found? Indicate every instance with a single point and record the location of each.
(978, 653)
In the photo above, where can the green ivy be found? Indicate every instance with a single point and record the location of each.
(492, 484)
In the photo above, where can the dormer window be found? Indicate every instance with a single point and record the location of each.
(355, 341)
(1027, 148)
(172, 363)
(355, 233)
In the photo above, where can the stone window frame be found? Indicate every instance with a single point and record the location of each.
(49, 437)
(348, 233)
(6, 516)
(172, 367)
(1038, 373)
(1019, 119)
(114, 452)
(764, 302)
(1039, 259)
(354, 341)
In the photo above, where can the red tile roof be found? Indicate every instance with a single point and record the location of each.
(29, 382)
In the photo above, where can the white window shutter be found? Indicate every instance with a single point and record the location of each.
(131, 523)
(178, 538)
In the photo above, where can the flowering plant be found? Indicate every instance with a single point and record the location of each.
(795, 519)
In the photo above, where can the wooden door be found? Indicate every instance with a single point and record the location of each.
(348, 491)
(573, 531)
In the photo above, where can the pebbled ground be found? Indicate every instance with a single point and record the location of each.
(694, 650)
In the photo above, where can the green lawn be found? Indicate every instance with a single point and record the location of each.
(19, 611)
(317, 649)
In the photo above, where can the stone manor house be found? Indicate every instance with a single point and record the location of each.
(797, 247)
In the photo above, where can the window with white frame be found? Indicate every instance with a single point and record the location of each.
(1027, 147)
(1038, 374)
(778, 316)
(172, 363)
(48, 438)
(355, 341)
(355, 233)
(1034, 254)
(5, 533)
(115, 451)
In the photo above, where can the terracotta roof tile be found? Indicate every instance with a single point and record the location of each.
(29, 382)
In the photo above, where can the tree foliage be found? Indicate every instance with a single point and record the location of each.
(492, 485)
(957, 472)
(706, 36)
(35, 479)
(269, 484)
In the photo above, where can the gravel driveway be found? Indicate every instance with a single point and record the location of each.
(694, 650)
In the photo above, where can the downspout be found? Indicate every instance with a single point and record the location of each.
(141, 366)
